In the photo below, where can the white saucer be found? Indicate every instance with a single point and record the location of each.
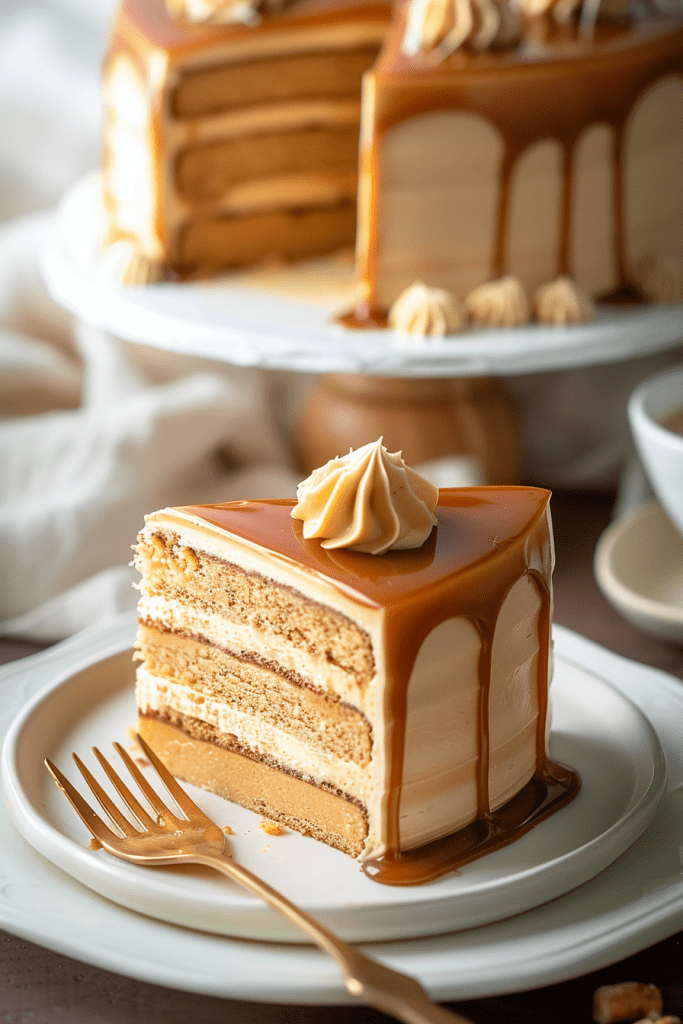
(595, 730)
(639, 568)
(284, 318)
(634, 902)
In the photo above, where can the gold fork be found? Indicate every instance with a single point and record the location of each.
(195, 839)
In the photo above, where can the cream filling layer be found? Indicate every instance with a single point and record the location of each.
(237, 637)
(287, 191)
(271, 117)
(154, 694)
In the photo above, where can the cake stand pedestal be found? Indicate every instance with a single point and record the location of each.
(429, 397)
(425, 418)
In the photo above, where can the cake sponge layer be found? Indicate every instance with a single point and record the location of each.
(269, 791)
(237, 241)
(275, 616)
(206, 171)
(248, 83)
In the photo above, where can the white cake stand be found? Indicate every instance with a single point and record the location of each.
(284, 318)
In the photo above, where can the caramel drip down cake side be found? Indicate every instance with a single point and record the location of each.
(559, 157)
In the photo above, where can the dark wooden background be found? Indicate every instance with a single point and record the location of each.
(41, 987)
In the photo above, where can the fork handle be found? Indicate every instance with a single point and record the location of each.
(394, 993)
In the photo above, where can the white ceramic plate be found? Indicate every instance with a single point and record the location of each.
(284, 318)
(634, 902)
(595, 729)
(639, 568)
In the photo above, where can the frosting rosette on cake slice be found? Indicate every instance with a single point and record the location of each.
(368, 501)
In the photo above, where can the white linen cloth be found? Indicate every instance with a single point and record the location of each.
(95, 432)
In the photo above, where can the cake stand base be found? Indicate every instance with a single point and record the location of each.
(425, 418)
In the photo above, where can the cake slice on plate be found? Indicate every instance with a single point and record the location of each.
(373, 674)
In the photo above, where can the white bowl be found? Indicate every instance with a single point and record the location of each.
(639, 569)
(660, 449)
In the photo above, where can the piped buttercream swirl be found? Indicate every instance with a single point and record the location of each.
(561, 302)
(222, 12)
(369, 501)
(443, 26)
(426, 311)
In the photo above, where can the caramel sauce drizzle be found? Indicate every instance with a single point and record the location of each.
(488, 538)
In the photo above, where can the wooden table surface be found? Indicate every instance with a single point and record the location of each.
(41, 987)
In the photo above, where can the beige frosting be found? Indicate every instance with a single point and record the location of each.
(369, 501)
(562, 302)
(423, 310)
(221, 12)
(501, 303)
(446, 25)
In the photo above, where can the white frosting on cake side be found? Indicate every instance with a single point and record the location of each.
(439, 791)
(431, 212)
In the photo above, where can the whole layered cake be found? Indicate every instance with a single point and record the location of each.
(367, 665)
(532, 150)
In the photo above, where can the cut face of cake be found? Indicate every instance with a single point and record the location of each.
(379, 703)
(225, 144)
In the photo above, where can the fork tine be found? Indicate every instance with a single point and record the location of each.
(187, 805)
(103, 799)
(135, 806)
(151, 794)
(90, 818)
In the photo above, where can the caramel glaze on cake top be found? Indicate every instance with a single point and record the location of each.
(415, 589)
(552, 86)
(144, 27)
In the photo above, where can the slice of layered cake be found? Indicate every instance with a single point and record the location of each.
(366, 666)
